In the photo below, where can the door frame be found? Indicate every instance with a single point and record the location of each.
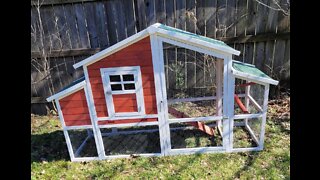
(135, 70)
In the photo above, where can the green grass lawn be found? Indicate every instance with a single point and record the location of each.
(50, 158)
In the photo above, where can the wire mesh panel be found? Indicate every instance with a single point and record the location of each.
(194, 134)
(247, 135)
(188, 73)
(193, 109)
(248, 97)
(131, 140)
(83, 143)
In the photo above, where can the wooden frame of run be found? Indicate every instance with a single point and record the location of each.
(224, 98)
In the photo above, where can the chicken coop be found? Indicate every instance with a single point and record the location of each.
(123, 107)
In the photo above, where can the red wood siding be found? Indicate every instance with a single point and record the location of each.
(127, 121)
(125, 103)
(75, 109)
(137, 54)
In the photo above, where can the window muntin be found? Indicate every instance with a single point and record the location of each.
(122, 82)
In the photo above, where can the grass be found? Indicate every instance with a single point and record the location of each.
(50, 159)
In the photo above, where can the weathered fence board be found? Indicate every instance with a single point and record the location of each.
(71, 23)
(130, 17)
(210, 17)
(62, 27)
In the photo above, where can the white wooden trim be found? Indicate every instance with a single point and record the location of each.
(256, 79)
(254, 137)
(247, 116)
(130, 132)
(107, 91)
(264, 117)
(112, 49)
(135, 70)
(197, 42)
(245, 149)
(130, 117)
(67, 91)
(190, 46)
(83, 159)
(93, 115)
(129, 124)
(207, 118)
(231, 90)
(255, 104)
(196, 150)
(158, 69)
(225, 107)
(77, 127)
(109, 157)
(65, 132)
(123, 91)
(163, 103)
(228, 104)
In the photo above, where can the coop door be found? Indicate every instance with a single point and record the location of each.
(123, 91)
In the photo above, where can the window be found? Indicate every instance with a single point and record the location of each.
(122, 82)
(123, 92)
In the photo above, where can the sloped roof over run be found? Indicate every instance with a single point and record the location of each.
(165, 31)
(250, 72)
(72, 87)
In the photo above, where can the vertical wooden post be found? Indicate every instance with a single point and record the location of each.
(93, 115)
(228, 103)
(264, 115)
(219, 83)
(161, 95)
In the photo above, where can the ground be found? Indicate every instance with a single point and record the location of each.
(50, 158)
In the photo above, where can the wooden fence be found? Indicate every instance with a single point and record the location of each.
(65, 32)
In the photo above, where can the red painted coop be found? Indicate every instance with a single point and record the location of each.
(121, 106)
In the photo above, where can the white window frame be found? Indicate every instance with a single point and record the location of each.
(135, 70)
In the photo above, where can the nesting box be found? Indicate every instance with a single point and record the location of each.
(121, 107)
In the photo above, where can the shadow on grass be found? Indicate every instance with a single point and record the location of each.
(251, 157)
(49, 147)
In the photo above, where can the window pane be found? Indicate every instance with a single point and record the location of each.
(116, 87)
(114, 78)
(129, 86)
(128, 77)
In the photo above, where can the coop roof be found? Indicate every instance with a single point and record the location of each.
(166, 32)
(251, 73)
(73, 86)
